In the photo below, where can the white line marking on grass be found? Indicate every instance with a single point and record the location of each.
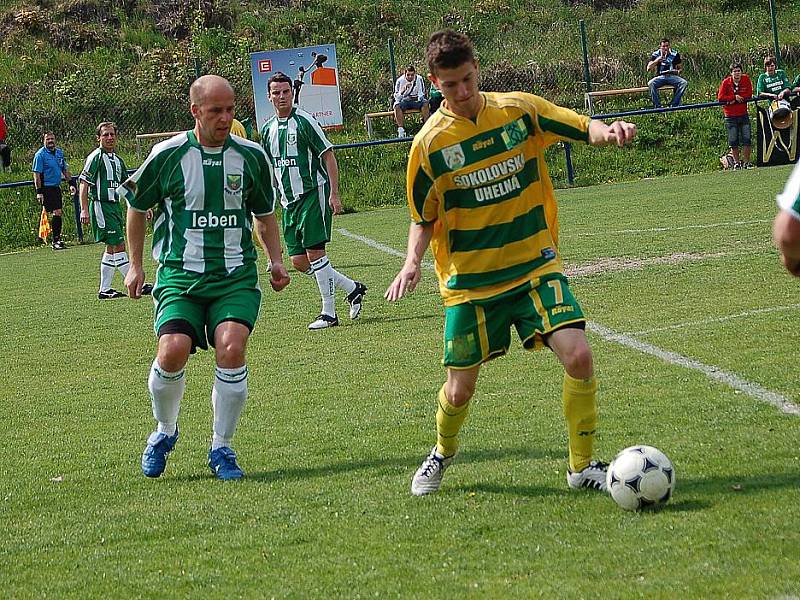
(749, 313)
(751, 389)
(382, 247)
(680, 228)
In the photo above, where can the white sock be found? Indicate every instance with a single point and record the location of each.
(343, 282)
(166, 392)
(227, 400)
(323, 272)
(122, 262)
(107, 269)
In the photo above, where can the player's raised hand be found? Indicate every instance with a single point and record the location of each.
(278, 277)
(405, 281)
(134, 281)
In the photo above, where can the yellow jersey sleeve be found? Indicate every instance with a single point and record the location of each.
(558, 123)
(423, 202)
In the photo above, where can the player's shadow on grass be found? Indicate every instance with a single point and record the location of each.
(390, 465)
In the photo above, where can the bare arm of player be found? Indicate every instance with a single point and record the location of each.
(37, 185)
(83, 192)
(270, 240)
(332, 167)
(786, 233)
(619, 133)
(135, 234)
(419, 236)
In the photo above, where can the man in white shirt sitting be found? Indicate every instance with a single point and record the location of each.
(409, 93)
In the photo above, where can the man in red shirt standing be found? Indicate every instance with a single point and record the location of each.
(5, 150)
(734, 91)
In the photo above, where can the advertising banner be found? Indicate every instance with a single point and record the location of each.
(315, 81)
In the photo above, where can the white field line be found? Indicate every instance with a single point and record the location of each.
(663, 229)
(730, 379)
(741, 315)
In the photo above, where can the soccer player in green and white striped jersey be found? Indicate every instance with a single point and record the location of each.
(786, 228)
(206, 185)
(307, 179)
(103, 172)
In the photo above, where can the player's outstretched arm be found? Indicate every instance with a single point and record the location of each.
(269, 238)
(786, 233)
(419, 236)
(618, 132)
(135, 234)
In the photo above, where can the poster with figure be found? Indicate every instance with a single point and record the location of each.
(315, 79)
(776, 146)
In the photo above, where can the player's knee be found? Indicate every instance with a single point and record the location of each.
(231, 352)
(459, 393)
(173, 352)
(578, 362)
(300, 262)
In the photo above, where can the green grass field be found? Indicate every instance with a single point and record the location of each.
(695, 329)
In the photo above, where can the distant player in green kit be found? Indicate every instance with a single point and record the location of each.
(307, 179)
(102, 174)
(206, 185)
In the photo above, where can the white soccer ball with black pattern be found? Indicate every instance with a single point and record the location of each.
(640, 476)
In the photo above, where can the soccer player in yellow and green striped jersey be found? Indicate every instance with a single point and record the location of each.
(480, 196)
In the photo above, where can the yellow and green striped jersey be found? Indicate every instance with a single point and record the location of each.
(485, 187)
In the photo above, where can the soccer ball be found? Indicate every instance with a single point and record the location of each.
(640, 476)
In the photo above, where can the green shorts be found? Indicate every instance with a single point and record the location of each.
(107, 223)
(196, 304)
(307, 222)
(478, 331)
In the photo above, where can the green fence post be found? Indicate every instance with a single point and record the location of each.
(587, 77)
(775, 32)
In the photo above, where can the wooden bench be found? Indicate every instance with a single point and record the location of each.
(386, 113)
(141, 137)
(589, 97)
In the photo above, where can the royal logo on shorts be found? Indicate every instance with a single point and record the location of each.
(514, 133)
(454, 156)
(233, 182)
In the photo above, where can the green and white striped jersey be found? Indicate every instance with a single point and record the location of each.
(294, 146)
(104, 173)
(204, 198)
(789, 199)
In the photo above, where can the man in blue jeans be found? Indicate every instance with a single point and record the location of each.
(409, 93)
(667, 64)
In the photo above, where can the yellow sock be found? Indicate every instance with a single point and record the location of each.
(579, 400)
(449, 419)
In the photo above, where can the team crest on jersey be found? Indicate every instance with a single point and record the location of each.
(291, 139)
(514, 133)
(233, 182)
(454, 156)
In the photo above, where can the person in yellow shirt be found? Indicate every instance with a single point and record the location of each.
(480, 195)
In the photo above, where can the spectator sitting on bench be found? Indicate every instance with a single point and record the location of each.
(773, 83)
(409, 93)
(667, 63)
